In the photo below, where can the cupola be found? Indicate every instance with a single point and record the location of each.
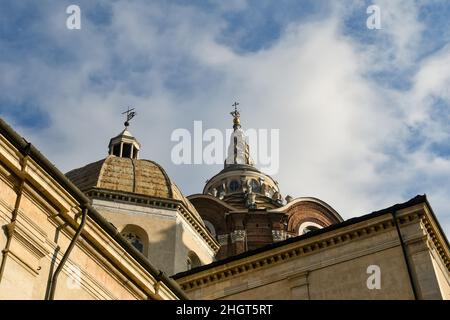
(125, 144)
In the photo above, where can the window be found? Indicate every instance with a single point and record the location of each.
(308, 226)
(234, 185)
(116, 150)
(210, 227)
(134, 240)
(256, 187)
(192, 261)
(309, 229)
(137, 237)
(126, 151)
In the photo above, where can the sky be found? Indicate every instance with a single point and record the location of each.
(363, 114)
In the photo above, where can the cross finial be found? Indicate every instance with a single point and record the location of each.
(130, 115)
(236, 115)
(235, 112)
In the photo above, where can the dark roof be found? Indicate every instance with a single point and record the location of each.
(27, 148)
(416, 200)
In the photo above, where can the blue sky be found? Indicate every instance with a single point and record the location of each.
(363, 114)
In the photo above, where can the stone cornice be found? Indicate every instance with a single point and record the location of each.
(307, 246)
(170, 204)
(436, 237)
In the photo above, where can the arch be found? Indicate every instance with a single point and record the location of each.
(192, 261)
(213, 210)
(307, 209)
(137, 237)
(331, 213)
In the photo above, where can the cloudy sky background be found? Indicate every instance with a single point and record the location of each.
(364, 115)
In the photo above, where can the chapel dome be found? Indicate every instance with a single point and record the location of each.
(142, 177)
(122, 171)
(134, 176)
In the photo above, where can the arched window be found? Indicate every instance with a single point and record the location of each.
(193, 260)
(137, 237)
(256, 186)
(234, 185)
(308, 226)
(135, 240)
(210, 227)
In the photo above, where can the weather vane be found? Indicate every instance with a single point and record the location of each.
(130, 115)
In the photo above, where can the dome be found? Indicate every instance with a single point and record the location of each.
(141, 177)
(240, 184)
(235, 182)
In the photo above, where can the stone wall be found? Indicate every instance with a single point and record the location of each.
(170, 237)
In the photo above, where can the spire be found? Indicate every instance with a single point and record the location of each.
(125, 145)
(238, 150)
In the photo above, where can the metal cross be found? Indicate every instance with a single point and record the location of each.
(130, 115)
(235, 113)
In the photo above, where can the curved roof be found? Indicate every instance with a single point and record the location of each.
(142, 177)
(211, 200)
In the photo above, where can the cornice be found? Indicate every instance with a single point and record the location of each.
(436, 238)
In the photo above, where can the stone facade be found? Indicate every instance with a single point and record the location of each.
(333, 263)
(169, 237)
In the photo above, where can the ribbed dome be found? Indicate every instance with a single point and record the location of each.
(142, 177)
